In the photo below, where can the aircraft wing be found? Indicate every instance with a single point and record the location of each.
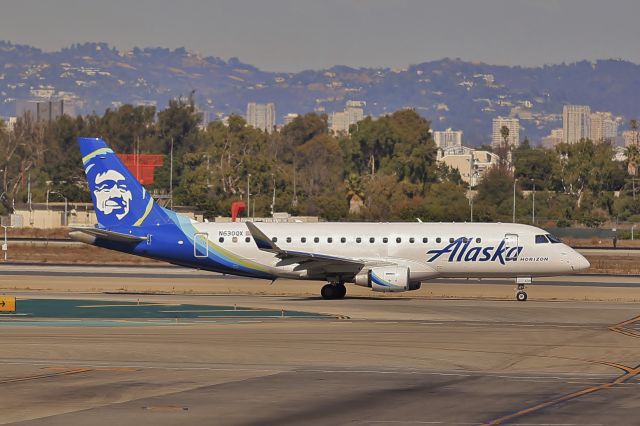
(305, 259)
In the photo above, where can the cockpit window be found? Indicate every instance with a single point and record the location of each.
(541, 239)
(553, 239)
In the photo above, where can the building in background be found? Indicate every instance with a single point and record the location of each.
(631, 137)
(46, 110)
(472, 164)
(554, 138)
(288, 119)
(339, 122)
(513, 124)
(9, 122)
(604, 128)
(448, 138)
(576, 123)
(261, 116)
(207, 117)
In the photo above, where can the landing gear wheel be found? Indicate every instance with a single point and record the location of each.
(329, 291)
(333, 291)
(521, 296)
(342, 290)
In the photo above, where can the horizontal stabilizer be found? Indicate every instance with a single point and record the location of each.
(88, 235)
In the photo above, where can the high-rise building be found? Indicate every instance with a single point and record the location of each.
(288, 119)
(555, 137)
(261, 116)
(631, 137)
(610, 130)
(342, 120)
(44, 110)
(472, 164)
(448, 138)
(513, 124)
(603, 127)
(576, 123)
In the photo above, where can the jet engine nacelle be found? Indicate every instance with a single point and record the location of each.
(386, 279)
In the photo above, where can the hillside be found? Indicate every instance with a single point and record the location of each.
(451, 93)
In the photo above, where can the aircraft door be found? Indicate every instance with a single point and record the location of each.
(510, 240)
(200, 245)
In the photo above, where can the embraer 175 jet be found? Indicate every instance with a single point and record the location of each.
(386, 257)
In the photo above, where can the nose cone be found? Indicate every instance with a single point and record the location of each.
(580, 263)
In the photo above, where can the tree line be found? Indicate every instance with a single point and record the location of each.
(384, 169)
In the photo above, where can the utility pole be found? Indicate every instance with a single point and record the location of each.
(29, 192)
(273, 200)
(294, 202)
(171, 175)
(248, 195)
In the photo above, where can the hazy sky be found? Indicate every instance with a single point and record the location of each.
(290, 35)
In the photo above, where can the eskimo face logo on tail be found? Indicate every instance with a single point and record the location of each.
(112, 194)
(460, 251)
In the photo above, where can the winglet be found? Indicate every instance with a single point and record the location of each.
(262, 241)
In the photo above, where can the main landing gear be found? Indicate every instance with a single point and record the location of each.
(333, 291)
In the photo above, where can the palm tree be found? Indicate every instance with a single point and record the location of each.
(355, 192)
(504, 132)
(504, 148)
(633, 123)
(633, 159)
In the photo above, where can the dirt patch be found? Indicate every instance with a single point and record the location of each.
(70, 253)
(614, 264)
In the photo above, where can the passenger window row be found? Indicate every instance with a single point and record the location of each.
(385, 240)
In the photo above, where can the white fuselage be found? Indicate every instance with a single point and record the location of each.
(429, 250)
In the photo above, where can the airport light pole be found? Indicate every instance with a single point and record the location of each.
(66, 206)
(514, 199)
(533, 211)
(470, 199)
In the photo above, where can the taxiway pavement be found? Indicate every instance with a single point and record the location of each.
(368, 360)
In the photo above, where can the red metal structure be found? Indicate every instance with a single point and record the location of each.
(237, 207)
(142, 166)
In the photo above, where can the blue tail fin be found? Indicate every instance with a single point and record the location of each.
(119, 199)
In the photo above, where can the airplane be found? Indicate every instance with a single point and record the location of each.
(385, 257)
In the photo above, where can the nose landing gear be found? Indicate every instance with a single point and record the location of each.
(521, 282)
(521, 295)
(332, 291)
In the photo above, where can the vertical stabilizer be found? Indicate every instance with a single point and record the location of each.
(119, 199)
